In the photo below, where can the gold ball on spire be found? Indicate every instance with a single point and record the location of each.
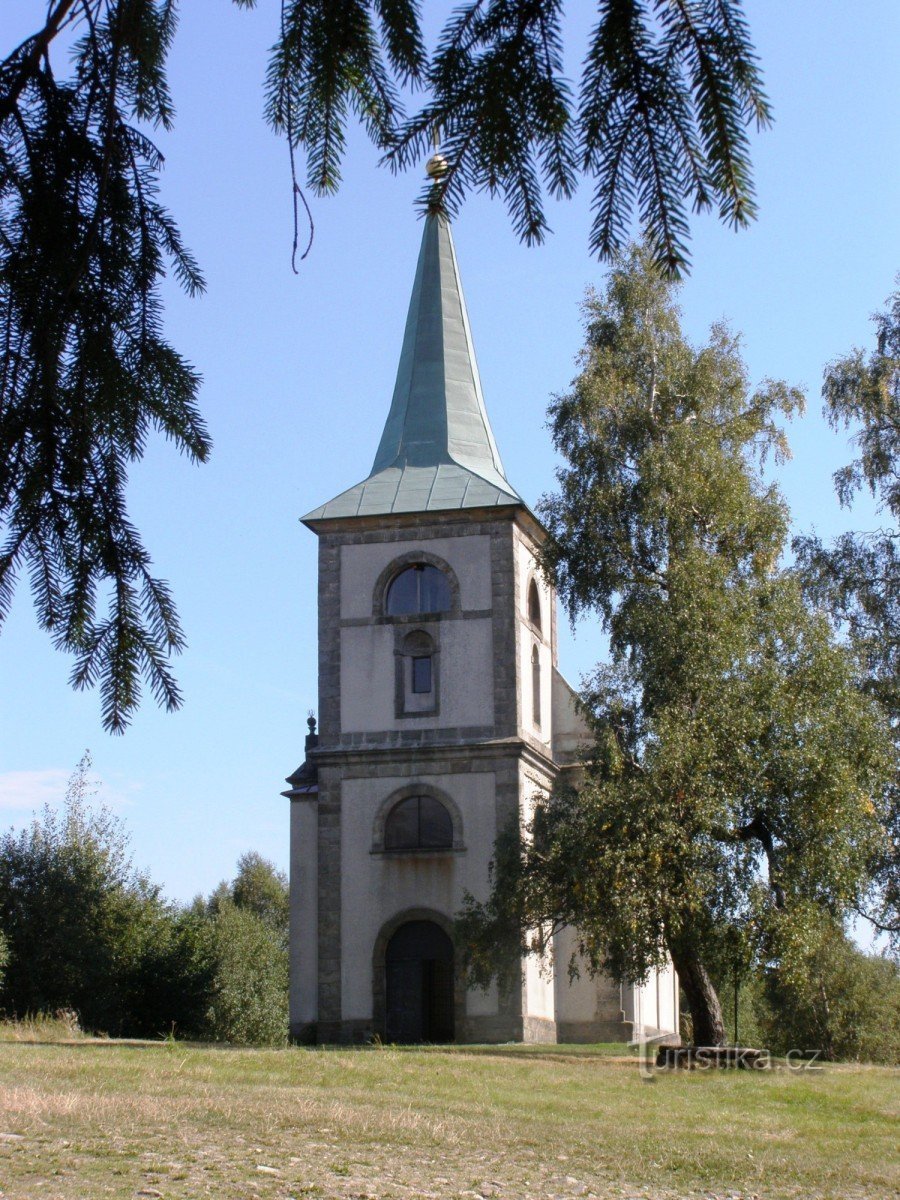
(436, 167)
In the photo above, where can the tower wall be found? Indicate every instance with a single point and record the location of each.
(469, 754)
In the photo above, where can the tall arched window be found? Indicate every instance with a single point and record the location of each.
(418, 823)
(420, 588)
(417, 675)
(534, 605)
(535, 686)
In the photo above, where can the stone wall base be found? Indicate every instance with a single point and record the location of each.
(489, 1031)
(661, 1037)
(539, 1030)
(599, 1030)
(302, 1033)
(469, 1030)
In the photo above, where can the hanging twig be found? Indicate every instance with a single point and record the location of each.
(296, 189)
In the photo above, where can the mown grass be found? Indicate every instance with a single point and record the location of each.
(79, 1121)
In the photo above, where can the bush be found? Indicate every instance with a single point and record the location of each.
(827, 995)
(86, 932)
(70, 908)
(250, 985)
(167, 987)
(260, 887)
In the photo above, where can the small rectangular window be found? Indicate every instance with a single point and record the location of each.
(421, 674)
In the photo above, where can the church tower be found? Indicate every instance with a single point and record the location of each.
(442, 716)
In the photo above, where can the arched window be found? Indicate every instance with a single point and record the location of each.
(420, 588)
(417, 675)
(418, 823)
(536, 686)
(534, 605)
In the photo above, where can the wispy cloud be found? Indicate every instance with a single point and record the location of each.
(23, 791)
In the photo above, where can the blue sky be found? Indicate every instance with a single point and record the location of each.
(298, 373)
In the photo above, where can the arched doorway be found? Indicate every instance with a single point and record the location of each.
(418, 965)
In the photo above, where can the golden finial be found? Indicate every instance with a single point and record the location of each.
(436, 167)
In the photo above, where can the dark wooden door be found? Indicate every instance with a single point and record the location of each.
(437, 1000)
(405, 1009)
(419, 984)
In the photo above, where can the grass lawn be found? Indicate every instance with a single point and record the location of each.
(81, 1121)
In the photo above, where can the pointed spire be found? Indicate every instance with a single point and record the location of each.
(437, 412)
(437, 450)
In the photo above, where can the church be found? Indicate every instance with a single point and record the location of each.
(442, 718)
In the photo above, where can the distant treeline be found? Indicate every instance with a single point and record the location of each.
(82, 930)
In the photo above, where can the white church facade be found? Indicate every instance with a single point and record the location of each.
(442, 716)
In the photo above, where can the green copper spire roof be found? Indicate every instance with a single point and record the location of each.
(437, 450)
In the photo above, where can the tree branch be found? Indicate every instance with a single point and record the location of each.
(39, 43)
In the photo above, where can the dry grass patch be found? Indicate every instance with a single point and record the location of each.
(43, 1027)
(178, 1121)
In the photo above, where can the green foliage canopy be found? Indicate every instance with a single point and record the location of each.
(260, 888)
(249, 996)
(857, 579)
(821, 992)
(734, 760)
(247, 921)
(86, 932)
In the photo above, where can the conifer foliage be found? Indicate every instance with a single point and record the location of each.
(661, 123)
(86, 373)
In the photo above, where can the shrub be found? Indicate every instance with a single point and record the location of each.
(828, 995)
(70, 908)
(250, 985)
(87, 933)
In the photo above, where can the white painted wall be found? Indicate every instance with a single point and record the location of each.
(368, 665)
(538, 982)
(583, 998)
(465, 679)
(470, 558)
(665, 983)
(376, 887)
(526, 565)
(654, 1005)
(575, 1001)
(570, 730)
(526, 569)
(304, 941)
(540, 988)
(482, 1002)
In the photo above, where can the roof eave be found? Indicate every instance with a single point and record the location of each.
(517, 511)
